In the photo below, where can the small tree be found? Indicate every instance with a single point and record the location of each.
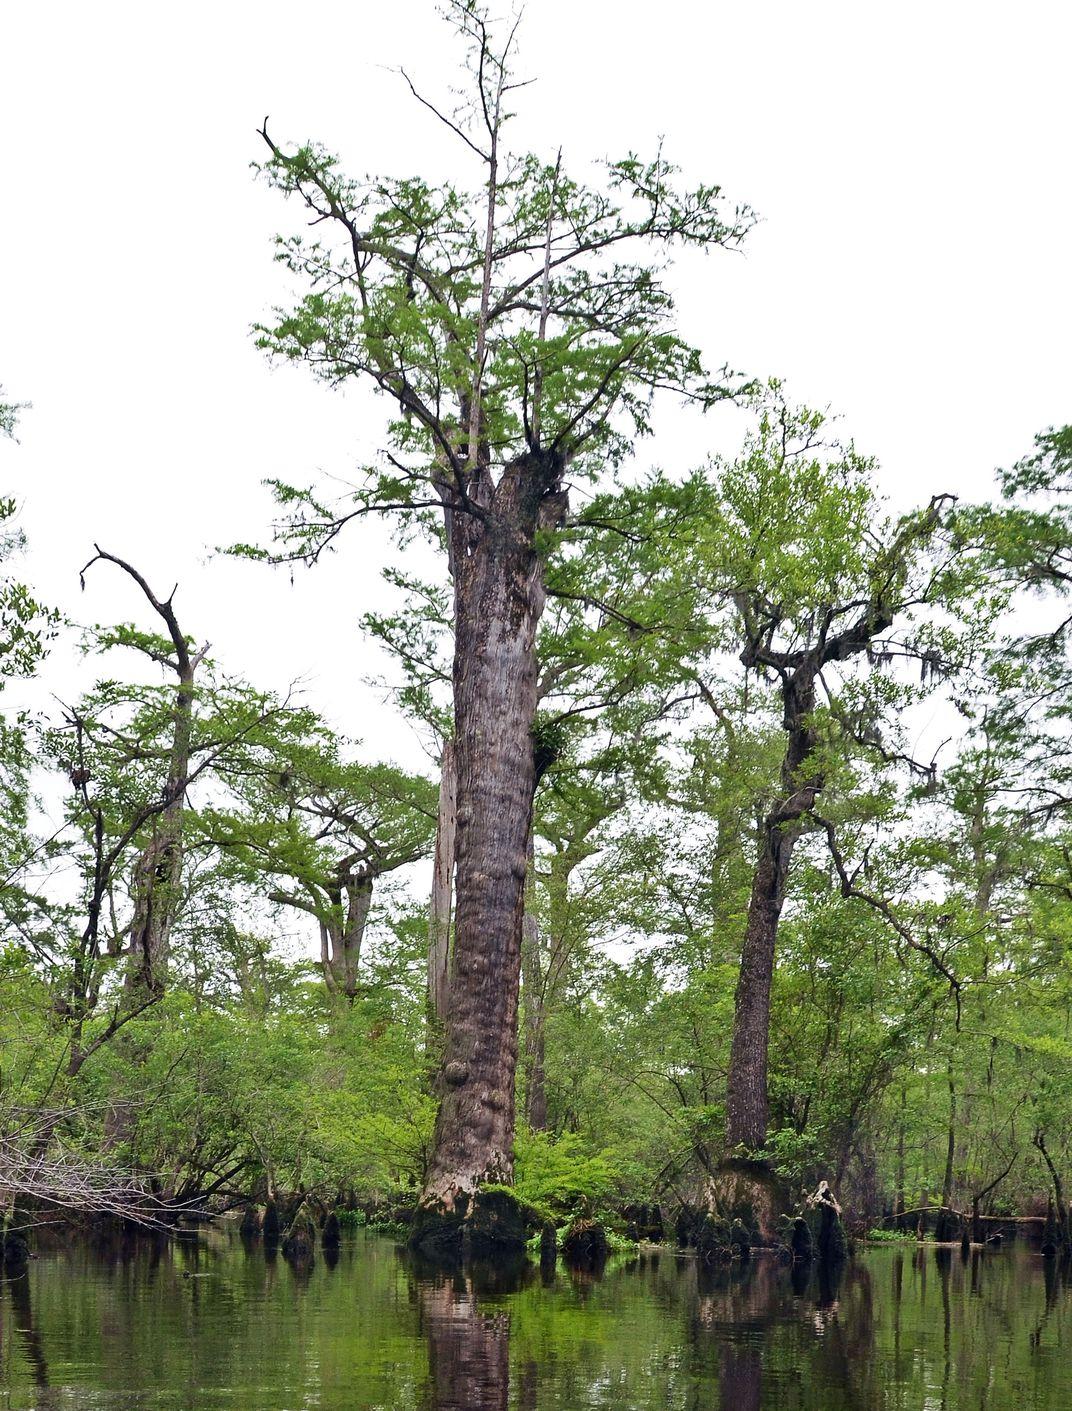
(320, 831)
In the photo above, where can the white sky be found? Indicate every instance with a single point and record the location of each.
(910, 162)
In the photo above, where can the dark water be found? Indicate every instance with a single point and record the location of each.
(213, 1326)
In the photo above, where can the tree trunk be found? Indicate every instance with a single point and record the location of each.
(533, 980)
(945, 1220)
(746, 1093)
(158, 870)
(899, 1195)
(498, 599)
(1063, 1223)
(343, 960)
(440, 905)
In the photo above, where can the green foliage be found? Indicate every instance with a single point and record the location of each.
(919, 1038)
(26, 625)
(558, 1174)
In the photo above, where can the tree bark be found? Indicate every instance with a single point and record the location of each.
(746, 1093)
(498, 600)
(802, 780)
(534, 982)
(158, 870)
(441, 903)
(343, 935)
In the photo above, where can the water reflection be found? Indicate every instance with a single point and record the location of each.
(22, 1321)
(468, 1332)
(220, 1326)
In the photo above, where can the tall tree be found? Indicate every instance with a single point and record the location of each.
(817, 576)
(523, 343)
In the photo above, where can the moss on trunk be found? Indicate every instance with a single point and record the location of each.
(490, 1223)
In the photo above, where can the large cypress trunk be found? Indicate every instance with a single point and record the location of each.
(498, 599)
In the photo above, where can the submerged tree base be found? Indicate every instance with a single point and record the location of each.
(488, 1223)
(748, 1194)
(584, 1245)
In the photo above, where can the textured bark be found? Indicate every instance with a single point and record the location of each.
(342, 933)
(441, 903)
(800, 785)
(746, 1094)
(498, 599)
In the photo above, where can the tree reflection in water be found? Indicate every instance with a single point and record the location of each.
(468, 1332)
(738, 1309)
(107, 1327)
(465, 1317)
(18, 1287)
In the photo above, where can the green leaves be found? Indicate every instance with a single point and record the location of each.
(529, 311)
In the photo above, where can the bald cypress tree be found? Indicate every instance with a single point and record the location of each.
(521, 329)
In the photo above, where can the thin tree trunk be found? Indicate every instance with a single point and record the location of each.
(951, 1142)
(746, 1093)
(899, 1195)
(158, 870)
(441, 903)
(534, 990)
(1063, 1225)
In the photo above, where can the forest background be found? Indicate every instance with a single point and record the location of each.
(908, 267)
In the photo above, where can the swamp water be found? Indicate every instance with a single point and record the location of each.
(211, 1324)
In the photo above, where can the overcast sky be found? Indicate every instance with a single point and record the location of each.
(910, 163)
